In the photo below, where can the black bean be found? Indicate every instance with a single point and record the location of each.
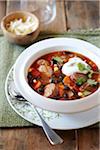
(52, 80)
(66, 87)
(38, 78)
(60, 78)
(54, 61)
(29, 76)
(40, 90)
(67, 52)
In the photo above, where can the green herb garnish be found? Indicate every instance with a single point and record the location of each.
(85, 93)
(91, 82)
(90, 74)
(86, 69)
(80, 81)
(81, 66)
(58, 59)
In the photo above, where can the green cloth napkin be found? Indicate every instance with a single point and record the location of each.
(8, 55)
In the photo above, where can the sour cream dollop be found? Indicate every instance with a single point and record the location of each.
(71, 66)
(20, 27)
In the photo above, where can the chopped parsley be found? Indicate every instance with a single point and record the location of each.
(58, 59)
(88, 68)
(85, 93)
(91, 82)
(80, 81)
(81, 66)
(90, 74)
(84, 68)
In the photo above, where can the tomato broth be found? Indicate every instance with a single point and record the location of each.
(63, 75)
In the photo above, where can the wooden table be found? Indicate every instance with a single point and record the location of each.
(73, 15)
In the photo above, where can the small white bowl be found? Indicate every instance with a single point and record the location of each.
(46, 46)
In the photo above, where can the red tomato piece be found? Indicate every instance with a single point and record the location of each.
(35, 72)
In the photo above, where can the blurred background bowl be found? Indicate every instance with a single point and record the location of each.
(20, 39)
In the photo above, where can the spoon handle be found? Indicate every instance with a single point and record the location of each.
(52, 136)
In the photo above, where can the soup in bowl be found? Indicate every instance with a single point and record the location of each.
(63, 75)
(59, 75)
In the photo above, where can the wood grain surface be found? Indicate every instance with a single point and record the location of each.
(2, 9)
(73, 15)
(88, 139)
(34, 139)
(82, 14)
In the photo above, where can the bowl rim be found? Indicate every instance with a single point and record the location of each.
(53, 100)
(18, 12)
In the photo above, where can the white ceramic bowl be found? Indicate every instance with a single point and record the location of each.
(46, 46)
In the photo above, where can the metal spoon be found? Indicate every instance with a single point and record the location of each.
(52, 136)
